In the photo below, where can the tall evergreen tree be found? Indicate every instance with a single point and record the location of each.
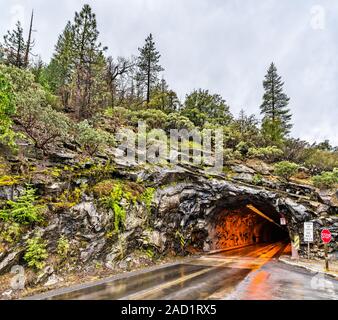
(78, 64)
(61, 65)
(88, 53)
(275, 102)
(148, 64)
(14, 47)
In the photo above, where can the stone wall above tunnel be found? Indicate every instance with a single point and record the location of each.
(187, 209)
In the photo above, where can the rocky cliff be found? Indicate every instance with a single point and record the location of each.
(107, 214)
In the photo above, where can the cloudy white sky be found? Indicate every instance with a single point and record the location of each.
(221, 45)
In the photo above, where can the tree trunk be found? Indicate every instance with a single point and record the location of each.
(148, 82)
(29, 45)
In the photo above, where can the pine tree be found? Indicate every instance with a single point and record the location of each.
(275, 102)
(61, 65)
(87, 57)
(78, 65)
(14, 47)
(148, 64)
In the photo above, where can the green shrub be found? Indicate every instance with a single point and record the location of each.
(286, 169)
(63, 247)
(200, 107)
(70, 198)
(113, 201)
(119, 216)
(150, 253)
(7, 110)
(154, 119)
(147, 197)
(10, 232)
(326, 179)
(24, 210)
(90, 139)
(35, 115)
(243, 148)
(322, 160)
(229, 154)
(257, 179)
(36, 253)
(179, 122)
(270, 153)
(120, 115)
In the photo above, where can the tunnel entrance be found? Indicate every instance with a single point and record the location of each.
(246, 224)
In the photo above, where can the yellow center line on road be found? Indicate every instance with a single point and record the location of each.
(261, 256)
(140, 295)
(254, 265)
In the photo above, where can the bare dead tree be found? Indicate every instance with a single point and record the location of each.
(30, 43)
(115, 70)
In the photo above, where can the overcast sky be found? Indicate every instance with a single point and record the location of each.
(225, 46)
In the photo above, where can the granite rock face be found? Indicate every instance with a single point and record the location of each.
(190, 208)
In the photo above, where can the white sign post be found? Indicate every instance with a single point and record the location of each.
(308, 235)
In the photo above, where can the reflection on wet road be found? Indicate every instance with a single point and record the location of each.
(251, 272)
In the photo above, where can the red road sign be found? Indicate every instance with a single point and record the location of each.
(326, 236)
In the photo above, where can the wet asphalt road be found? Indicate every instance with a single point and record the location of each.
(249, 273)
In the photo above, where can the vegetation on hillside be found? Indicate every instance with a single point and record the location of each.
(82, 96)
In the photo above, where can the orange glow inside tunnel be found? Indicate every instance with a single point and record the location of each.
(244, 226)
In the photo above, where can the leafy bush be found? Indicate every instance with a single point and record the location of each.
(229, 154)
(113, 201)
(35, 111)
(119, 216)
(90, 139)
(24, 210)
(43, 125)
(243, 148)
(270, 153)
(7, 110)
(10, 232)
(295, 150)
(36, 253)
(326, 179)
(200, 107)
(120, 115)
(127, 117)
(286, 169)
(179, 122)
(147, 197)
(257, 179)
(63, 247)
(155, 119)
(163, 98)
(232, 137)
(322, 160)
(70, 198)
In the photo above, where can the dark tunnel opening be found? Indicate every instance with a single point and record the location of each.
(246, 224)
